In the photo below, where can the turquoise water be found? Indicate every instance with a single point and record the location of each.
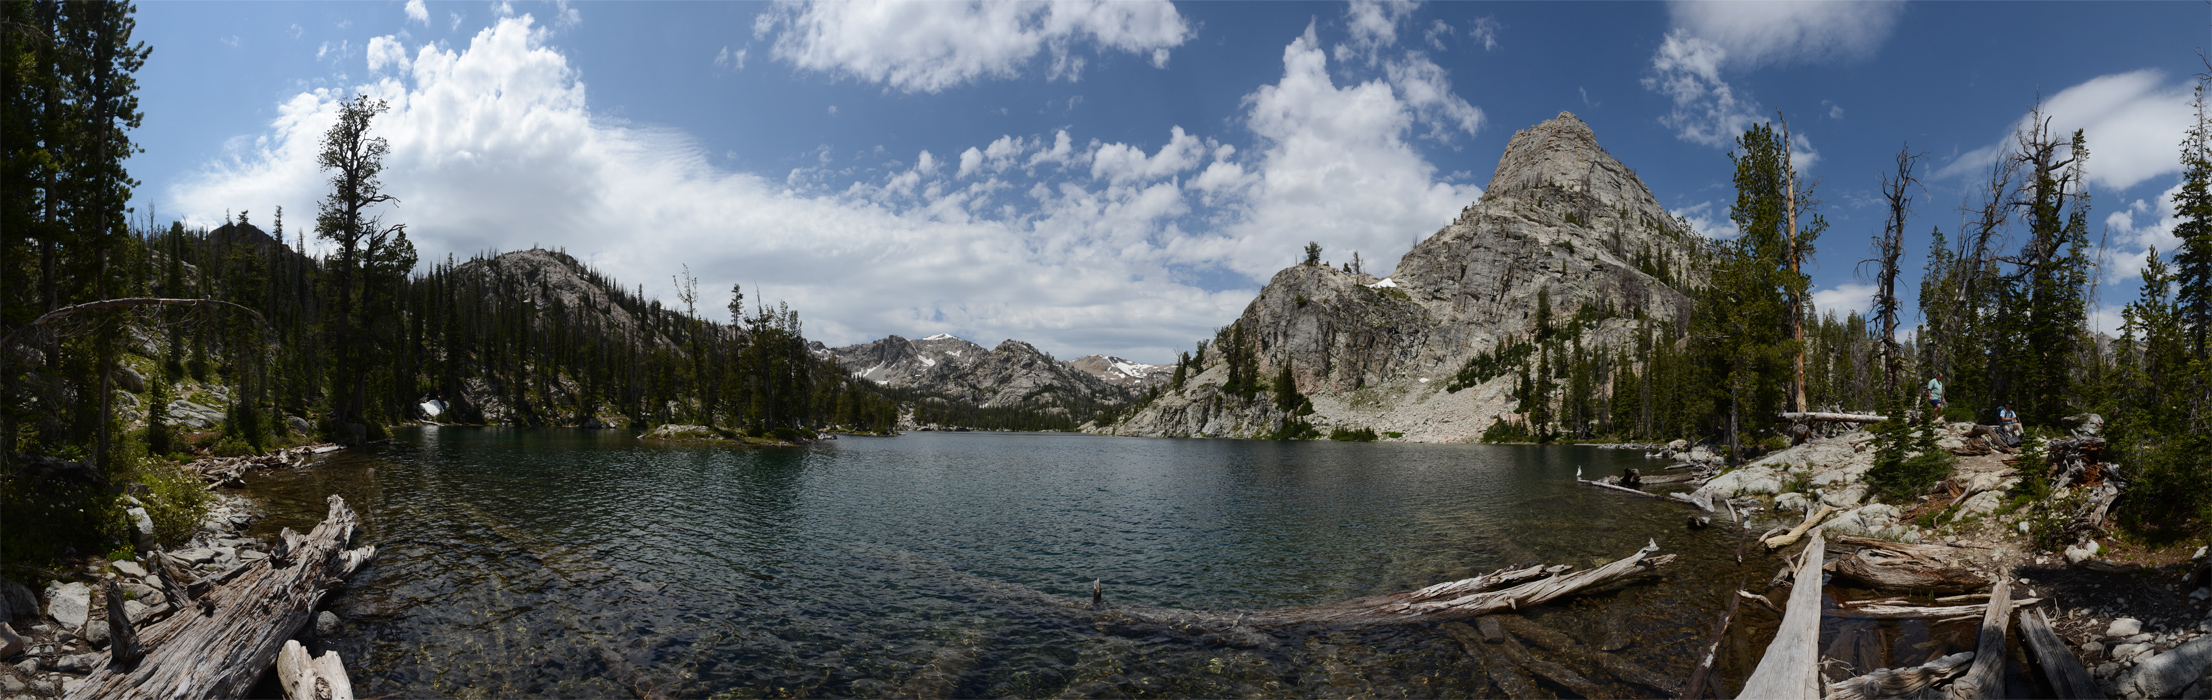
(585, 563)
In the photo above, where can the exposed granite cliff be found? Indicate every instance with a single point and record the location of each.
(1560, 214)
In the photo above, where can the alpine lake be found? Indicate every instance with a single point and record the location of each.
(574, 563)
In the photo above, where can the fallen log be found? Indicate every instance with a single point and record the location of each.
(1763, 601)
(1986, 679)
(1698, 676)
(1789, 538)
(1908, 612)
(1895, 568)
(1815, 416)
(317, 678)
(1790, 668)
(2067, 676)
(1900, 682)
(241, 626)
(1559, 643)
(1603, 485)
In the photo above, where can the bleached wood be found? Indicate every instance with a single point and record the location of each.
(219, 647)
(1789, 538)
(1790, 670)
(1814, 416)
(1987, 678)
(2069, 680)
(1908, 612)
(1899, 682)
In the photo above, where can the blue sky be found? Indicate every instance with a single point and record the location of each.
(1116, 177)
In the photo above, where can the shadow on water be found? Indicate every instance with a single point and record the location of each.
(585, 563)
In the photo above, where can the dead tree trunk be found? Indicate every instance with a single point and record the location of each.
(1696, 686)
(1900, 682)
(1987, 678)
(1891, 566)
(220, 648)
(1804, 417)
(2068, 679)
(1791, 667)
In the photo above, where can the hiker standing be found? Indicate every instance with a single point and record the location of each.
(1935, 395)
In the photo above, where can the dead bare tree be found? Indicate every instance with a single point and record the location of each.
(1887, 249)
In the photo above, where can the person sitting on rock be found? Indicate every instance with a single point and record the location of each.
(2008, 425)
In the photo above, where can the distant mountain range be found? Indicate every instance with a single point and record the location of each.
(1015, 374)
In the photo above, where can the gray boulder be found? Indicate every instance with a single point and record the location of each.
(130, 380)
(129, 568)
(78, 663)
(2166, 675)
(2124, 627)
(69, 603)
(142, 532)
(326, 624)
(16, 601)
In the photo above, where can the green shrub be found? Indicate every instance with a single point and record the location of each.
(1907, 461)
(42, 519)
(1502, 430)
(2171, 498)
(1394, 435)
(175, 500)
(1360, 435)
(232, 446)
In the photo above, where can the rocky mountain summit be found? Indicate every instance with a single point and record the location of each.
(1013, 374)
(1560, 216)
(1122, 373)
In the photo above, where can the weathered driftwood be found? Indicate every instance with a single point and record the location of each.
(1789, 538)
(1889, 565)
(124, 648)
(1790, 668)
(1900, 682)
(1814, 417)
(1701, 499)
(221, 648)
(2067, 676)
(2075, 461)
(1613, 665)
(1986, 679)
(1909, 612)
(316, 678)
(231, 471)
(1603, 485)
(1502, 670)
(1763, 601)
(1699, 676)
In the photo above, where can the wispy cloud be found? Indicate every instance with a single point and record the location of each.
(1710, 41)
(2132, 122)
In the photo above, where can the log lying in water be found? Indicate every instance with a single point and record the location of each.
(1790, 668)
(1695, 688)
(312, 678)
(1559, 643)
(1900, 682)
(1603, 485)
(1908, 612)
(230, 471)
(1987, 678)
(1888, 565)
(220, 647)
(2068, 679)
(1789, 538)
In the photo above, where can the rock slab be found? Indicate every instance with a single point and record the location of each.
(70, 604)
(2166, 675)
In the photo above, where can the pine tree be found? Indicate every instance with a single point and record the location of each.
(2193, 225)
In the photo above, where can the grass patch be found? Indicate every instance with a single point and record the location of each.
(1360, 435)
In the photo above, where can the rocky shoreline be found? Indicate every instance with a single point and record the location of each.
(2139, 619)
(52, 639)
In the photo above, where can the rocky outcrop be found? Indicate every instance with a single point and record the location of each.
(549, 279)
(1560, 215)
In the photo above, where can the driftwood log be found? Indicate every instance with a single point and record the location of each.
(1892, 566)
(1698, 677)
(1815, 417)
(220, 649)
(1613, 665)
(1789, 538)
(124, 648)
(230, 471)
(1900, 682)
(2067, 676)
(316, 678)
(1987, 677)
(1791, 667)
(1908, 612)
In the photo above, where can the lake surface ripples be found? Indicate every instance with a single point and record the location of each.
(585, 563)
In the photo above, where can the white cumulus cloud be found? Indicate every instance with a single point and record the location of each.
(922, 46)
(418, 12)
(1077, 246)
(1843, 299)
